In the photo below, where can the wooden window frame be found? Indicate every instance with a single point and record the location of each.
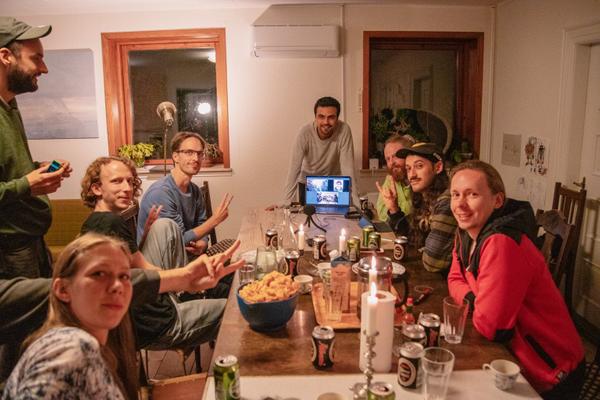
(115, 49)
(469, 79)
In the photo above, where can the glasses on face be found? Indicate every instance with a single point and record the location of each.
(191, 153)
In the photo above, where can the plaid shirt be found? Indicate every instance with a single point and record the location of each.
(437, 254)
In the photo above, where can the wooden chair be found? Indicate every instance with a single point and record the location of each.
(591, 384)
(208, 205)
(572, 204)
(559, 243)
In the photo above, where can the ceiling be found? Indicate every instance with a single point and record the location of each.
(59, 7)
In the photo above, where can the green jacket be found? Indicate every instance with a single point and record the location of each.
(20, 212)
(404, 199)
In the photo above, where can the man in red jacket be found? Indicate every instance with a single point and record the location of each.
(497, 267)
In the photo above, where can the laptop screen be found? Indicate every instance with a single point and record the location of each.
(328, 191)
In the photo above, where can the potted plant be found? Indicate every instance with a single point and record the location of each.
(212, 155)
(136, 152)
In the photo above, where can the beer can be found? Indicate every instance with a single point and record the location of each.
(291, 262)
(366, 231)
(227, 378)
(381, 391)
(323, 340)
(374, 240)
(400, 248)
(414, 333)
(431, 323)
(353, 245)
(271, 239)
(410, 375)
(364, 202)
(320, 247)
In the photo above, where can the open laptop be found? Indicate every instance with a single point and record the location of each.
(329, 194)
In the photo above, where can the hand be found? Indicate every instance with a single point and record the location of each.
(205, 272)
(152, 216)
(197, 248)
(222, 212)
(65, 167)
(42, 182)
(389, 195)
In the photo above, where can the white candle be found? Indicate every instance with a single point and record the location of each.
(342, 242)
(301, 238)
(372, 311)
(373, 273)
(384, 325)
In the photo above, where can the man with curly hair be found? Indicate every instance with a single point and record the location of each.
(109, 186)
(431, 225)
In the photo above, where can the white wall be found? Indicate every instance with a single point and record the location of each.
(529, 46)
(269, 99)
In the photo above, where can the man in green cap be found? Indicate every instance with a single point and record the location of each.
(24, 184)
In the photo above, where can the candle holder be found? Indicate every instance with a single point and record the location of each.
(359, 389)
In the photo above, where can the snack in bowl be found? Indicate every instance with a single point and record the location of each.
(274, 286)
(270, 303)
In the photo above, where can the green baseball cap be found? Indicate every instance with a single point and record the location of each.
(12, 29)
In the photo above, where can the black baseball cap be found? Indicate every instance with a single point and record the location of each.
(429, 150)
(12, 29)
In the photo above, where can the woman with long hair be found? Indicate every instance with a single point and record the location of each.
(85, 349)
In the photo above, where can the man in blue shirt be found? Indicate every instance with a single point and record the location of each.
(181, 200)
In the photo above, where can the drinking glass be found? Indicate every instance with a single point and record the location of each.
(438, 364)
(247, 273)
(266, 261)
(455, 316)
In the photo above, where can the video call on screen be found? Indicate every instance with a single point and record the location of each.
(328, 190)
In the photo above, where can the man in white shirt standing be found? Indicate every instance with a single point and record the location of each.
(323, 147)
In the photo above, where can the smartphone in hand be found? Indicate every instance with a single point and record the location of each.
(54, 166)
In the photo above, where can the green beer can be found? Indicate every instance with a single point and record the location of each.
(366, 231)
(353, 245)
(374, 241)
(227, 378)
(381, 391)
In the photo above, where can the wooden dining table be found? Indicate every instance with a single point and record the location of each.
(288, 351)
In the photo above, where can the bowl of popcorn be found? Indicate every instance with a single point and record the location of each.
(269, 303)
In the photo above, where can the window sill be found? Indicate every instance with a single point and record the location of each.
(153, 171)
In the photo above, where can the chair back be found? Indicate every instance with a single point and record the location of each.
(208, 205)
(559, 242)
(130, 215)
(572, 205)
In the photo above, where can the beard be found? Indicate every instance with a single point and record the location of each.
(20, 82)
(398, 175)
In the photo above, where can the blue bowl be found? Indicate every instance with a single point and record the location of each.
(267, 316)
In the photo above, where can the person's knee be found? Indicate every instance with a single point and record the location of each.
(164, 226)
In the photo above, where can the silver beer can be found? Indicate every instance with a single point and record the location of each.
(410, 375)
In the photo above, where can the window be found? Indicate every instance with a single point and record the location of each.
(428, 84)
(185, 67)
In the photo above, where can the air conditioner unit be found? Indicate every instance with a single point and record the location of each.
(299, 41)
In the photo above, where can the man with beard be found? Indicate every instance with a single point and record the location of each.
(25, 214)
(431, 223)
(395, 194)
(323, 147)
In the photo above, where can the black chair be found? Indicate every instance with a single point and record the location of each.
(208, 205)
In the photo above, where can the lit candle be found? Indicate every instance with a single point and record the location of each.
(301, 238)
(373, 273)
(342, 242)
(372, 311)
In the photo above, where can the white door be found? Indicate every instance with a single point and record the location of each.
(586, 293)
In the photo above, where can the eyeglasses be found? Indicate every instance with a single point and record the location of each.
(191, 153)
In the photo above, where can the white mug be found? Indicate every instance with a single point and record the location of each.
(505, 373)
(305, 282)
